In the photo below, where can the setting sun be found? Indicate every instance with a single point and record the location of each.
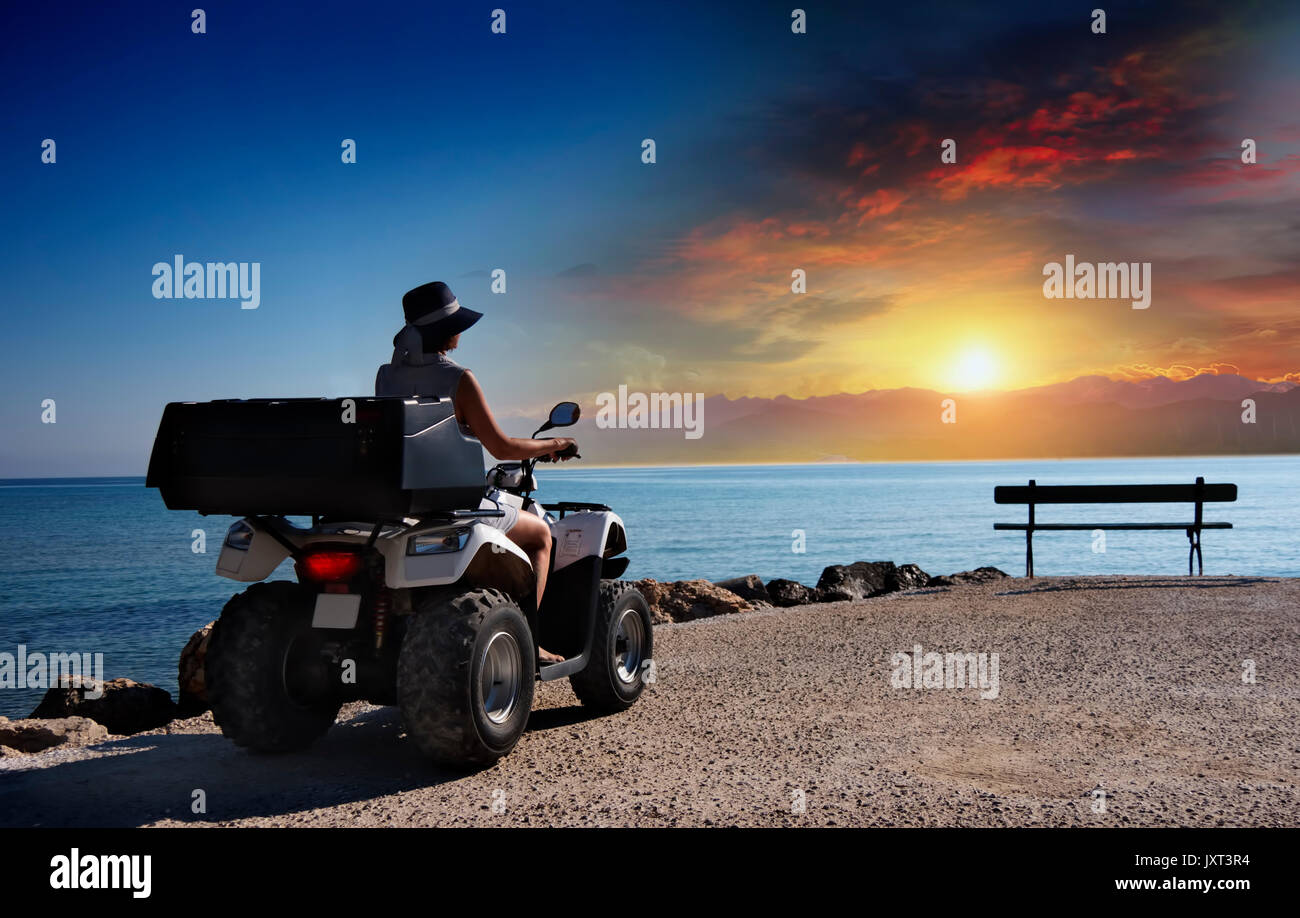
(975, 368)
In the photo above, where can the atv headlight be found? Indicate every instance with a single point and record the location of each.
(438, 542)
(240, 536)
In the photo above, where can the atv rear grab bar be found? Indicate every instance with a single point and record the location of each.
(463, 515)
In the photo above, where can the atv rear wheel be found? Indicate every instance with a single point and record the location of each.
(264, 672)
(622, 645)
(465, 676)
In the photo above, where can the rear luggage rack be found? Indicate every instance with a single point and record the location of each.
(373, 460)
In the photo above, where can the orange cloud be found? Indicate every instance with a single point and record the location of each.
(1176, 371)
(879, 203)
(1003, 167)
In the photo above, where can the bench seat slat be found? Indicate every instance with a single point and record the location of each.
(1021, 527)
(1114, 494)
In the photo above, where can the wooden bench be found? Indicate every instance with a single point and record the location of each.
(1198, 494)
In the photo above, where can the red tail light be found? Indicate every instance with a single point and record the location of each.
(331, 566)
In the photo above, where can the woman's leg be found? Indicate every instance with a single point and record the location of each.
(533, 535)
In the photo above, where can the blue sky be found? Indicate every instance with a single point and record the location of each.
(475, 151)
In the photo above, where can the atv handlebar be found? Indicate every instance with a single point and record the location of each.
(569, 452)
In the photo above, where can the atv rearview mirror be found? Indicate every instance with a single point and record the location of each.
(563, 415)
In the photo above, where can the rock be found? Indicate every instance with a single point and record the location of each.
(908, 577)
(856, 581)
(125, 707)
(979, 575)
(686, 600)
(194, 690)
(34, 735)
(750, 588)
(868, 578)
(786, 593)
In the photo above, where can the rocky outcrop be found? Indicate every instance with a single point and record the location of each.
(193, 687)
(750, 588)
(786, 593)
(686, 600)
(32, 735)
(979, 575)
(124, 707)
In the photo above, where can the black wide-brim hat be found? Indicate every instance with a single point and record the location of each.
(433, 310)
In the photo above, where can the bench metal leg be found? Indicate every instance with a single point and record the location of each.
(1194, 548)
(1029, 534)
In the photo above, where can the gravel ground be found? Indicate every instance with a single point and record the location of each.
(1122, 691)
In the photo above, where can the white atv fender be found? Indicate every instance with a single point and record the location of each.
(581, 534)
(486, 556)
(584, 533)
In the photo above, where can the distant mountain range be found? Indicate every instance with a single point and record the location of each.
(1089, 416)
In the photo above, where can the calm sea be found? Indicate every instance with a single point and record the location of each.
(100, 565)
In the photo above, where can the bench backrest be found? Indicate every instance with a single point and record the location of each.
(1114, 494)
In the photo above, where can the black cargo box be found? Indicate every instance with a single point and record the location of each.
(399, 457)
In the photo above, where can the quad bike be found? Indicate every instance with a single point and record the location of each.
(405, 594)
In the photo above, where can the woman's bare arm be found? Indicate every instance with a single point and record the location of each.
(473, 412)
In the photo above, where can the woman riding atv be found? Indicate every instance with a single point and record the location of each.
(420, 366)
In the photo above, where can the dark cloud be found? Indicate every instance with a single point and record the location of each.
(1034, 101)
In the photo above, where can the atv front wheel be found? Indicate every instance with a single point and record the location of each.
(264, 671)
(465, 676)
(622, 645)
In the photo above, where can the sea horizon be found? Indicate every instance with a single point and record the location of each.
(548, 469)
